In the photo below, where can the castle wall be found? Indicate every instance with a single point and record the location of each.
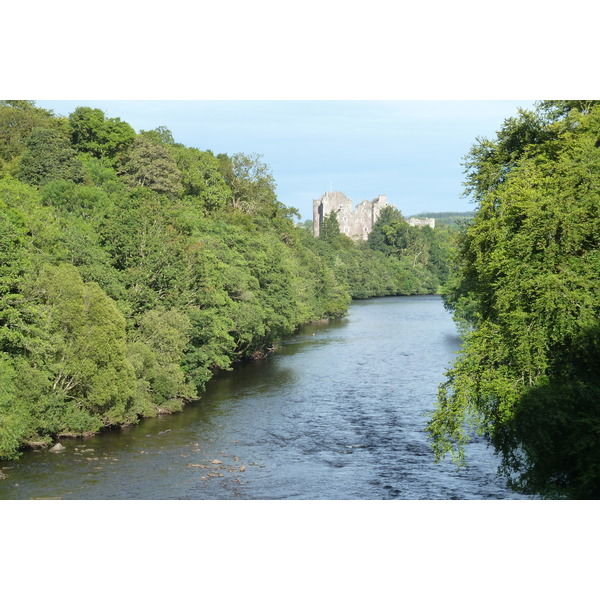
(357, 223)
(422, 222)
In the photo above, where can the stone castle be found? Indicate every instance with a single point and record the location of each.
(421, 222)
(357, 223)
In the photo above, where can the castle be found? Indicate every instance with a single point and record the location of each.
(357, 223)
(421, 222)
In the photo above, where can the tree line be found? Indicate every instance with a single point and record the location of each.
(133, 267)
(396, 259)
(525, 286)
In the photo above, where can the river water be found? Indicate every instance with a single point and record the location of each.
(337, 413)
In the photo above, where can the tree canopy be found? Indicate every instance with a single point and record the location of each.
(525, 286)
(132, 268)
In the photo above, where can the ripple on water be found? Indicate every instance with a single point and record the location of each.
(338, 413)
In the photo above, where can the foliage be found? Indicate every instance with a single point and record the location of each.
(155, 352)
(202, 180)
(49, 156)
(132, 268)
(251, 182)
(526, 288)
(95, 135)
(160, 134)
(18, 119)
(149, 164)
(330, 229)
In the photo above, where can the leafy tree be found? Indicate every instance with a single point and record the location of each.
(93, 134)
(104, 177)
(377, 238)
(149, 164)
(202, 180)
(156, 352)
(330, 229)
(250, 180)
(88, 356)
(526, 285)
(147, 246)
(551, 442)
(86, 125)
(14, 417)
(13, 260)
(49, 156)
(115, 138)
(18, 119)
(160, 134)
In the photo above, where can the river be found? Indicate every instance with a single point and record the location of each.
(338, 412)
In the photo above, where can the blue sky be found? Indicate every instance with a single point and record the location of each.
(409, 150)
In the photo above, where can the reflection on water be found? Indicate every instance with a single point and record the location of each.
(337, 413)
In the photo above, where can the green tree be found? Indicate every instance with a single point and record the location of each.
(18, 119)
(329, 231)
(93, 134)
(87, 358)
(251, 182)
(160, 134)
(150, 164)
(526, 285)
(49, 156)
(13, 262)
(156, 353)
(377, 238)
(202, 180)
(14, 417)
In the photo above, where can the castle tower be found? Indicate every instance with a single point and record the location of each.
(336, 201)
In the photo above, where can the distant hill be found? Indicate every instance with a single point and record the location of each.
(447, 218)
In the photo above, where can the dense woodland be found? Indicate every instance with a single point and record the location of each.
(525, 286)
(132, 268)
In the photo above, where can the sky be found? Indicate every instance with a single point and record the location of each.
(409, 150)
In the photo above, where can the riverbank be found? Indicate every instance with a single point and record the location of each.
(338, 412)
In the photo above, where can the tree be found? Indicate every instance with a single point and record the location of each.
(377, 238)
(86, 125)
(49, 156)
(93, 134)
(330, 228)
(202, 180)
(489, 162)
(156, 352)
(160, 134)
(527, 288)
(13, 261)
(88, 358)
(18, 119)
(149, 164)
(251, 182)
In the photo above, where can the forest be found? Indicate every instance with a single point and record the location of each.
(525, 288)
(132, 268)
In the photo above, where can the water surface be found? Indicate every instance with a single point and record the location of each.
(337, 413)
